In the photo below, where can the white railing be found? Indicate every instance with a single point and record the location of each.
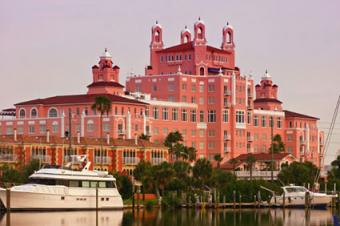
(106, 160)
(157, 161)
(42, 158)
(250, 138)
(256, 174)
(8, 158)
(130, 160)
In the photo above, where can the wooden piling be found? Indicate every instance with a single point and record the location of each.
(307, 200)
(8, 200)
(284, 200)
(97, 194)
(234, 199)
(240, 201)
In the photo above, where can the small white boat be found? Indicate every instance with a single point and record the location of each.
(64, 189)
(295, 197)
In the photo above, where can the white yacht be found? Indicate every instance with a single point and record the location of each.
(295, 197)
(65, 189)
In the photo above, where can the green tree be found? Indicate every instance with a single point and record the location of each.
(277, 145)
(103, 105)
(218, 158)
(144, 173)
(163, 174)
(250, 164)
(171, 140)
(202, 172)
(298, 173)
(233, 162)
(124, 185)
(143, 137)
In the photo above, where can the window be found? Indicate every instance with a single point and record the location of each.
(201, 145)
(165, 131)
(55, 127)
(171, 87)
(22, 113)
(201, 133)
(184, 86)
(106, 127)
(52, 113)
(155, 113)
(279, 122)
(211, 100)
(211, 133)
(156, 131)
(201, 100)
(193, 100)
(201, 116)
(201, 88)
(34, 113)
(31, 129)
(175, 114)
(239, 116)
(193, 132)
(165, 114)
(193, 115)
(225, 115)
(184, 115)
(184, 99)
(271, 121)
(90, 126)
(193, 87)
(263, 121)
(289, 137)
(249, 117)
(256, 120)
(211, 88)
(154, 87)
(42, 128)
(20, 129)
(212, 116)
(202, 71)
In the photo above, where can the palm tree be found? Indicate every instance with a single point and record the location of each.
(103, 105)
(233, 161)
(171, 140)
(218, 158)
(250, 162)
(143, 137)
(278, 145)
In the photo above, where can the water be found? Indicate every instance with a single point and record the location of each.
(180, 217)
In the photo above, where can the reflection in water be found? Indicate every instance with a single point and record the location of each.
(182, 217)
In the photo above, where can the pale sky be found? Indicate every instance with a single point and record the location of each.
(47, 47)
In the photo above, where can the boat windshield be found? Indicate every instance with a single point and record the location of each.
(296, 189)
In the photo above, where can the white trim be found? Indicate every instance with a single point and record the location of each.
(20, 123)
(20, 109)
(48, 112)
(268, 112)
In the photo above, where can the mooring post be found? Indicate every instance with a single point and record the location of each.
(325, 187)
(259, 198)
(307, 200)
(240, 201)
(234, 199)
(8, 199)
(255, 204)
(284, 200)
(97, 197)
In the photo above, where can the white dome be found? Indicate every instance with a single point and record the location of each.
(199, 21)
(186, 30)
(157, 25)
(106, 54)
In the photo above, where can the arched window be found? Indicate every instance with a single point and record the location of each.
(34, 113)
(229, 37)
(52, 113)
(157, 36)
(202, 71)
(22, 113)
(186, 38)
(90, 126)
(200, 33)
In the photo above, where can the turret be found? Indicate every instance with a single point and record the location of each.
(185, 35)
(199, 29)
(228, 38)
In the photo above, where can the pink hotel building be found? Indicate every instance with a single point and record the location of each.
(191, 87)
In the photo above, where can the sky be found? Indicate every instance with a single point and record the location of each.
(47, 47)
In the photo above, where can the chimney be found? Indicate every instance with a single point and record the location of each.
(108, 139)
(48, 136)
(15, 135)
(136, 139)
(78, 137)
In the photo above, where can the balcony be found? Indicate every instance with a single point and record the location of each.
(250, 138)
(130, 160)
(102, 160)
(226, 149)
(250, 106)
(265, 175)
(250, 94)
(227, 93)
(121, 132)
(8, 158)
(303, 142)
(42, 158)
(157, 161)
(227, 137)
(226, 105)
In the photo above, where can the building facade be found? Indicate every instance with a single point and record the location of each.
(193, 88)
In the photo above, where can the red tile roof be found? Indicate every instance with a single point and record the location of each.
(54, 140)
(291, 114)
(258, 157)
(78, 99)
(188, 46)
(104, 83)
(261, 100)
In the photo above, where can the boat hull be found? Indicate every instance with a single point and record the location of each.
(60, 198)
(316, 202)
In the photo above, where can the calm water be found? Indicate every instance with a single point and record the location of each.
(183, 217)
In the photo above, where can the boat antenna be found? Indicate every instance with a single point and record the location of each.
(328, 139)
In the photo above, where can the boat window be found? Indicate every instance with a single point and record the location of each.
(296, 189)
(110, 184)
(93, 184)
(74, 183)
(43, 181)
(102, 184)
(85, 184)
(62, 182)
